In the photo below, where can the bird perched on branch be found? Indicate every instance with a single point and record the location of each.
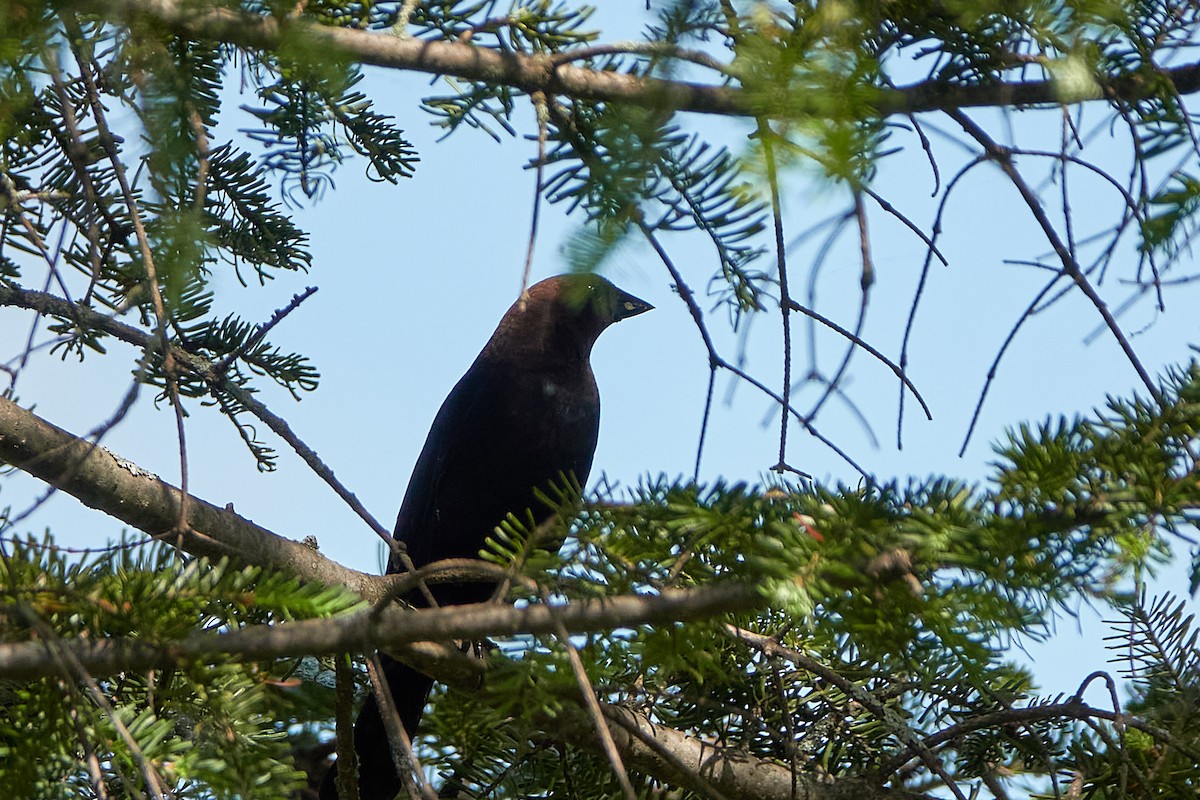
(526, 414)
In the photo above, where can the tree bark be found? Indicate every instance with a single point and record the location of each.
(102, 480)
(541, 73)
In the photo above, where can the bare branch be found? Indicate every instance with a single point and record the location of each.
(408, 767)
(390, 629)
(660, 750)
(1003, 159)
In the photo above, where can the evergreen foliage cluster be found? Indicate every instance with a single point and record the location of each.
(908, 599)
(70, 87)
(221, 730)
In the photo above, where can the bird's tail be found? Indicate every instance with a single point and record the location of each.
(377, 777)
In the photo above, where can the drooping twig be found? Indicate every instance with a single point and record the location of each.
(108, 144)
(1003, 160)
(866, 281)
(708, 398)
(995, 365)
(543, 120)
(904, 220)
(766, 135)
(689, 299)
(926, 265)
(887, 362)
(76, 152)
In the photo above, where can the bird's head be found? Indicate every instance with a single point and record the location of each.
(590, 298)
(567, 313)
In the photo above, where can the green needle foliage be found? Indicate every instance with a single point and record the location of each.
(69, 84)
(909, 598)
(220, 731)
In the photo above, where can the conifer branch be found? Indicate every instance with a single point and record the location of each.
(123, 490)
(645, 746)
(533, 73)
(390, 628)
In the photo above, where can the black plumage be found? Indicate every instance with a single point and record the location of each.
(526, 414)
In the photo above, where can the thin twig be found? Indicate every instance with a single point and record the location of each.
(1003, 159)
(343, 711)
(887, 362)
(543, 120)
(653, 49)
(408, 767)
(926, 265)
(866, 280)
(688, 297)
(252, 341)
(991, 373)
(708, 398)
(77, 155)
(908, 223)
(108, 144)
(765, 135)
(593, 707)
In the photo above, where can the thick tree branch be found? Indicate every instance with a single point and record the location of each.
(531, 73)
(103, 481)
(665, 752)
(654, 749)
(387, 628)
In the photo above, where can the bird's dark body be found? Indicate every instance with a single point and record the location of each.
(525, 415)
(487, 452)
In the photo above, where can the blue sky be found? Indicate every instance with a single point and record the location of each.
(412, 279)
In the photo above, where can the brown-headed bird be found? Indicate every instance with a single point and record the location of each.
(526, 414)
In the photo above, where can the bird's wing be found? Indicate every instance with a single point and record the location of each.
(447, 446)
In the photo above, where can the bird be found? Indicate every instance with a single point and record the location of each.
(526, 414)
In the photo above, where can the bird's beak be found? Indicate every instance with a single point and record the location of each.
(629, 306)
